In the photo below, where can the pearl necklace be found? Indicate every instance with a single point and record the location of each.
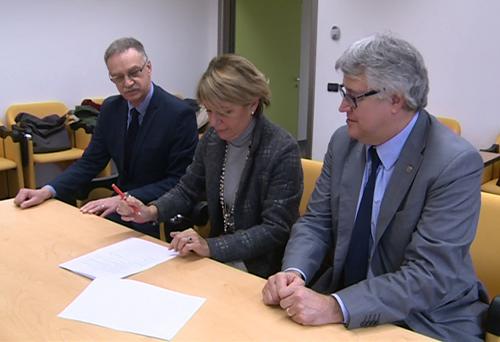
(227, 211)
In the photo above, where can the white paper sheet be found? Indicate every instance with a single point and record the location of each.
(120, 260)
(133, 306)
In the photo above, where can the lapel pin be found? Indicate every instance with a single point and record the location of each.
(409, 168)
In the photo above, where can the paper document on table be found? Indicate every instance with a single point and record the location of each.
(133, 306)
(120, 260)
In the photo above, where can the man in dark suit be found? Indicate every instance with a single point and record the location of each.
(149, 134)
(395, 209)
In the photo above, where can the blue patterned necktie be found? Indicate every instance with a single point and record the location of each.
(356, 264)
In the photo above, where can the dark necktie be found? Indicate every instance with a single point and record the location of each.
(132, 130)
(356, 265)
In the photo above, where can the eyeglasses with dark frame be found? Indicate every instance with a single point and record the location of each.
(131, 74)
(353, 100)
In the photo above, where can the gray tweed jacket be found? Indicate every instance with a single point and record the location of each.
(266, 203)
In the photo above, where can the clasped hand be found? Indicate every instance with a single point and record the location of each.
(302, 304)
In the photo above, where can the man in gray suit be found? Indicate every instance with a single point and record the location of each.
(396, 239)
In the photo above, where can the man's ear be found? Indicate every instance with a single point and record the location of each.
(398, 102)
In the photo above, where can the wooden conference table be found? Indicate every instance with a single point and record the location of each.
(34, 290)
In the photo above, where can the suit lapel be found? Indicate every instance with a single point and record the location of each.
(405, 170)
(350, 186)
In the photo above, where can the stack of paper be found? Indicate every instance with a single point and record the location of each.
(129, 305)
(121, 259)
(133, 306)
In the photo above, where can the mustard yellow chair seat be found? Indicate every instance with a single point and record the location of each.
(67, 155)
(311, 170)
(6, 164)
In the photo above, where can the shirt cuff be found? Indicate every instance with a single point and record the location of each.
(345, 313)
(297, 270)
(51, 189)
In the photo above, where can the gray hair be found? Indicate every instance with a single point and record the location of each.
(389, 64)
(123, 44)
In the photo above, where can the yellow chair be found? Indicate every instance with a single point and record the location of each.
(484, 250)
(451, 123)
(312, 170)
(42, 109)
(491, 176)
(486, 255)
(11, 176)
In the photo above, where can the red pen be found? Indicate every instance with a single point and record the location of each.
(123, 197)
(118, 191)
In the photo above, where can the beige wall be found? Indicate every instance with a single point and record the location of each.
(459, 42)
(54, 49)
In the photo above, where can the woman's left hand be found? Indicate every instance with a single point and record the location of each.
(189, 241)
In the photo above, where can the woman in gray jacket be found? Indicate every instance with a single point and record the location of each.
(245, 167)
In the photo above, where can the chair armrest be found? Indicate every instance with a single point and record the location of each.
(4, 132)
(493, 148)
(16, 135)
(493, 317)
(198, 217)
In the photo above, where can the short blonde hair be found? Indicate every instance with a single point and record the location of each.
(234, 79)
